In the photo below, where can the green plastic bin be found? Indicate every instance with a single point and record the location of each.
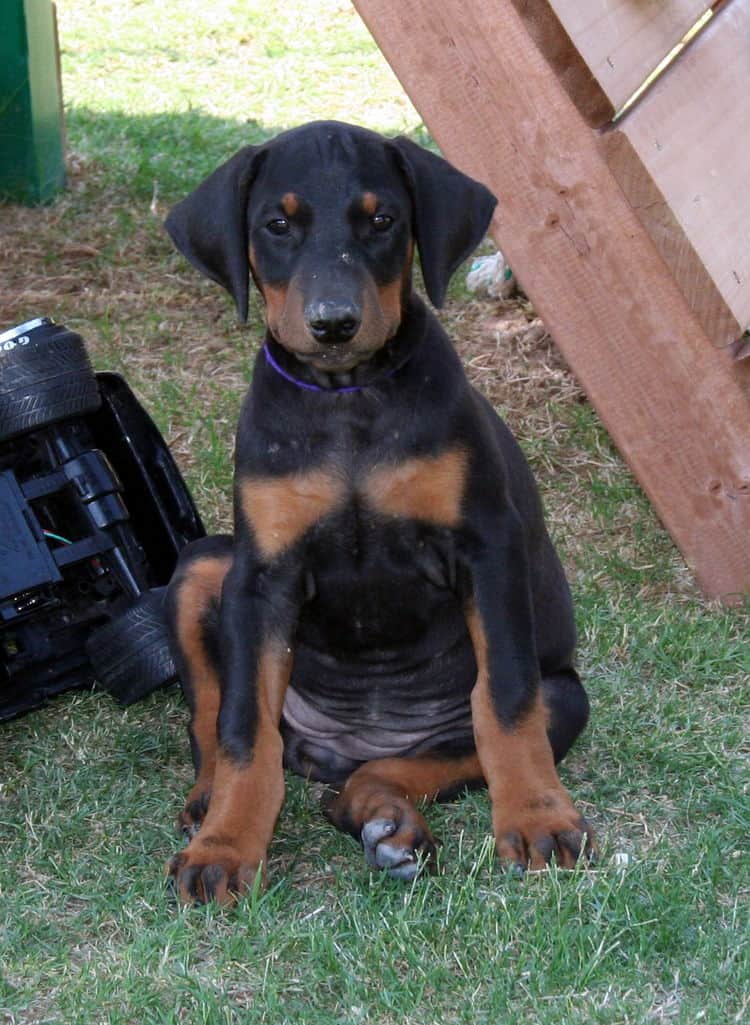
(32, 166)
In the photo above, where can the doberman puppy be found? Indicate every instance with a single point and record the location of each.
(390, 616)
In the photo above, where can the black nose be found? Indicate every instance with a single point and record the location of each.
(333, 322)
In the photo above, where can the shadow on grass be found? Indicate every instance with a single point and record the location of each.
(166, 153)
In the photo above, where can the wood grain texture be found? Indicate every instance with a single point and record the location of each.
(620, 41)
(677, 407)
(690, 134)
(669, 237)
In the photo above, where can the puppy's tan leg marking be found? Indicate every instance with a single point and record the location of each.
(200, 587)
(533, 816)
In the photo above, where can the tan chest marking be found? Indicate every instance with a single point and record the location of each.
(430, 488)
(281, 509)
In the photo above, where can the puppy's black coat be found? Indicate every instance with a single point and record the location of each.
(390, 615)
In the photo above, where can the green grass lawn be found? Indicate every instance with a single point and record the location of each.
(156, 95)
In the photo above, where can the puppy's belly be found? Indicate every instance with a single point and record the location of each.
(339, 714)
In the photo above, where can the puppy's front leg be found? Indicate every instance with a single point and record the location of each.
(533, 816)
(257, 618)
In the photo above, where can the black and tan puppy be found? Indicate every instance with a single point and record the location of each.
(390, 615)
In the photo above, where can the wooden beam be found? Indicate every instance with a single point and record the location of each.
(574, 74)
(682, 160)
(677, 408)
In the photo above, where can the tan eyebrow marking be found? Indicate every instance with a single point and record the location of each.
(369, 203)
(289, 204)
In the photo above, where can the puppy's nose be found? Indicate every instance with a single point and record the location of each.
(333, 322)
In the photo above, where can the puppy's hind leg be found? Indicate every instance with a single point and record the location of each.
(192, 608)
(567, 709)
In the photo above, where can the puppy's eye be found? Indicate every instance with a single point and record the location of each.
(278, 226)
(381, 222)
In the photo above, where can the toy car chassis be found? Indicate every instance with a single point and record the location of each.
(93, 513)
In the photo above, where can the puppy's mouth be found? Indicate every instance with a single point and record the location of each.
(335, 359)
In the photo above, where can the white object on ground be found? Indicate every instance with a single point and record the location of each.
(491, 275)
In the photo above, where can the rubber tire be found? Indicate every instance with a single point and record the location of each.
(131, 655)
(46, 380)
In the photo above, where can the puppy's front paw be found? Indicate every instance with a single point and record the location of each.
(212, 871)
(533, 829)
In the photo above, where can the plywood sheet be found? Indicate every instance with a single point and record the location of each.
(690, 135)
(677, 407)
(620, 42)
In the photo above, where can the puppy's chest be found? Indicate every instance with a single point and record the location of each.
(352, 506)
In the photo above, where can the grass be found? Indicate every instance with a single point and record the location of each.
(156, 95)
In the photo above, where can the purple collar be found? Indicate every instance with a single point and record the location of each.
(316, 387)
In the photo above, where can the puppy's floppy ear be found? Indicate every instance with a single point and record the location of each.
(210, 228)
(451, 213)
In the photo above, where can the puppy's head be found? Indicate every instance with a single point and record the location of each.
(324, 218)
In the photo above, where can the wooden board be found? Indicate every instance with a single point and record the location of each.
(682, 157)
(669, 237)
(677, 407)
(620, 42)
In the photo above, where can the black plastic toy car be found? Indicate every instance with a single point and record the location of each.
(93, 512)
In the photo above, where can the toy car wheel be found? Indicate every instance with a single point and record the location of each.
(131, 655)
(45, 376)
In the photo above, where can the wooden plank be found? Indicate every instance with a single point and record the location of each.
(574, 74)
(667, 234)
(620, 42)
(677, 407)
(689, 137)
